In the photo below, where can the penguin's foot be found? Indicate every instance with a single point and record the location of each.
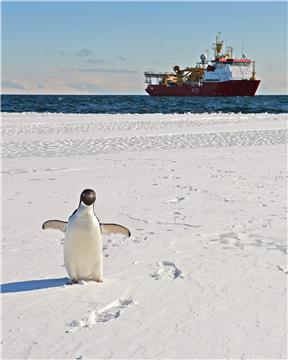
(72, 282)
(99, 280)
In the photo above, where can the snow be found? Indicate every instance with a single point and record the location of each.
(204, 272)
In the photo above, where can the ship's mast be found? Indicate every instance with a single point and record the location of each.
(243, 56)
(218, 45)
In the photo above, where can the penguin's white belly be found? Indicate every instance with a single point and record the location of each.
(83, 248)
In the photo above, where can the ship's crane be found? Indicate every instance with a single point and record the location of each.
(189, 74)
(179, 77)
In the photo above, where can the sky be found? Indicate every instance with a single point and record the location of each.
(104, 47)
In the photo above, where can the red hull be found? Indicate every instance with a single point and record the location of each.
(225, 88)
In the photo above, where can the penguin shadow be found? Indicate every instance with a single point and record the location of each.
(31, 285)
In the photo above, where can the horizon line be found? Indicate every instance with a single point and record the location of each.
(128, 94)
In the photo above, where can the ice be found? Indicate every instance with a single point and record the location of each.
(204, 273)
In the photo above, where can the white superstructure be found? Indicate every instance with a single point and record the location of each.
(220, 71)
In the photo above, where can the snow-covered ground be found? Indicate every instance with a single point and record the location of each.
(204, 273)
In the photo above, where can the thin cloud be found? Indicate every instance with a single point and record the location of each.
(120, 58)
(86, 87)
(103, 70)
(94, 61)
(6, 84)
(84, 53)
(55, 52)
(67, 70)
(61, 53)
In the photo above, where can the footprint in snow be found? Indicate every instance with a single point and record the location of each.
(177, 200)
(109, 312)
(167, 270)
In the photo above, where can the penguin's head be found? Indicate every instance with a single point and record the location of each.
(88, 197)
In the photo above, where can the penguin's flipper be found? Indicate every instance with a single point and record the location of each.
(114, 229)
(55, 224)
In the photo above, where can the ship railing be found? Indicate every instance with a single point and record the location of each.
(156, 76)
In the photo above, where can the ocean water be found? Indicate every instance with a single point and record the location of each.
(142, 104)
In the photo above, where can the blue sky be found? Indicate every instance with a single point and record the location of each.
(104, 47)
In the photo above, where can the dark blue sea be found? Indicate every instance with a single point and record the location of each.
(142, 104)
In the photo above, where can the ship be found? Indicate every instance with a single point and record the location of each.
(224, 75)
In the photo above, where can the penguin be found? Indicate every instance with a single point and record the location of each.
(83, 245)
